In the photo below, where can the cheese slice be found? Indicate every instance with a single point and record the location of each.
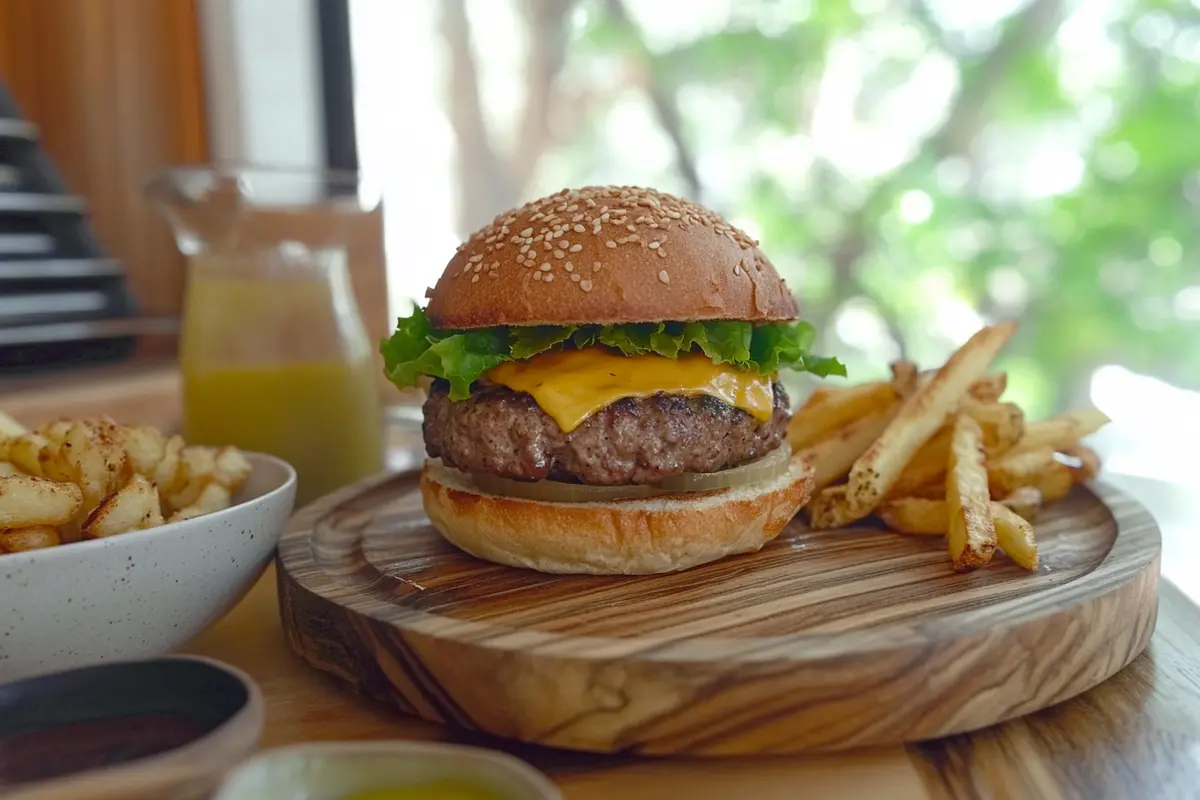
(571, 385)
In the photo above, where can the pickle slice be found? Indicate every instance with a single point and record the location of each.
(768, 467)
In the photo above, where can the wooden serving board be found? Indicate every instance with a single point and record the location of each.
(823, 640)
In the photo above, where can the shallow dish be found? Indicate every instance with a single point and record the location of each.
(166, 727)
(142, 593)
(336, 770)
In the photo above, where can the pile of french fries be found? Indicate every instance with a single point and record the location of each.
(938, 453)
(90, 478)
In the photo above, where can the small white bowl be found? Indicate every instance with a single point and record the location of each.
(332, 770)
(143, 593)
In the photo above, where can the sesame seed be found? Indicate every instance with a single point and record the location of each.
(662, 253)
(479, 267)
(623, 240)
(549, 277)
(545, 267)
(610, 244)
(537, 276)
(575, 248)
(654, 245)
(568, 266)
(537, 238)
(578, 229)
(590, 202)
(490, 239)
(495, 265)
(528, 231)
(633, 237)
(559, 254)
(493, 274)
(475, 259)
(577, 218)
(631, 228)
(603, 209)
(546, 244)
(737, 269)
(663, 276)
(595, 266)
(575, 277)
(572, 207)
(596, 227)
(605, 217)
(524, 248)
(474, 279)
(585, 285)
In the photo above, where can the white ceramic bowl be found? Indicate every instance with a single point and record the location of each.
(331, 770)
(143, 593)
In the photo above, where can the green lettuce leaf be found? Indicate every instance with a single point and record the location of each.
(462, 357)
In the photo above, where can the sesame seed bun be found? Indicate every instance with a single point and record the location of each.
(608, 255)
(624, 537)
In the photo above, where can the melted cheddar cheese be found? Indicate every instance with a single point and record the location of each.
(571, 385)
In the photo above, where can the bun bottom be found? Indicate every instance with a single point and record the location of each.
(622, 537)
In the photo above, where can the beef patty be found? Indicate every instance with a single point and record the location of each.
(634, 440)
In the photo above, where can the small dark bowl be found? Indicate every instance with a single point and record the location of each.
(165, 727)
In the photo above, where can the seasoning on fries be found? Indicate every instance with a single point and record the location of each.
(92, 478)
(939, 453)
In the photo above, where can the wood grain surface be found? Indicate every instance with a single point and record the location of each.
(823, 641)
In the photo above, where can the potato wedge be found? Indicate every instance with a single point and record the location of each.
(22, 540)
(971, 533)
(919, 418)
(27, 501)
(93, 452)
(25, 452)
(133, 507)
(197, 469)
(1015, 536)
(9, 427)
(833, 455)
(232, 469)
(915, 515)
(55, 430)
(1025, 502)
(817, 419)
(214, 497)
(1002, 424)
(1062, 431)
(167, 474)
(146, 448)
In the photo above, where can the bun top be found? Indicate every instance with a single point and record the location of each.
(608, 255)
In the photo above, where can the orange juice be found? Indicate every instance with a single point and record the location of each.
(280, 364)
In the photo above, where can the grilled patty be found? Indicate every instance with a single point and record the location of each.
(635, 440)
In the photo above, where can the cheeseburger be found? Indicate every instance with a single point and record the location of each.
(605, 395)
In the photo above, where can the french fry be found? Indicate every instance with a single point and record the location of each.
(1015, 536)
(21, 540)
(1036, 468)
(989, 388)
(1062, 431)
(27, 501)
(1001, 424)
(986, 389)
(920, 416)
(921, 517)
(827, 507)
(915, 515)
(133, 507)
(1025, 502)
(971, 533)
(1089, 462)
(817, 419)
(9, 427)
(215, 497)
(833, 456)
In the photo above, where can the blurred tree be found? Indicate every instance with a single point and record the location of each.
(912, 168)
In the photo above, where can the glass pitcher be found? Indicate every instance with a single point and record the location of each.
(273, 352)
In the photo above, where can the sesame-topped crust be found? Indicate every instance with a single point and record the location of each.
(608, 255)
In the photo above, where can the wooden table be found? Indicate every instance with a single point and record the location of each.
(1135, 736)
